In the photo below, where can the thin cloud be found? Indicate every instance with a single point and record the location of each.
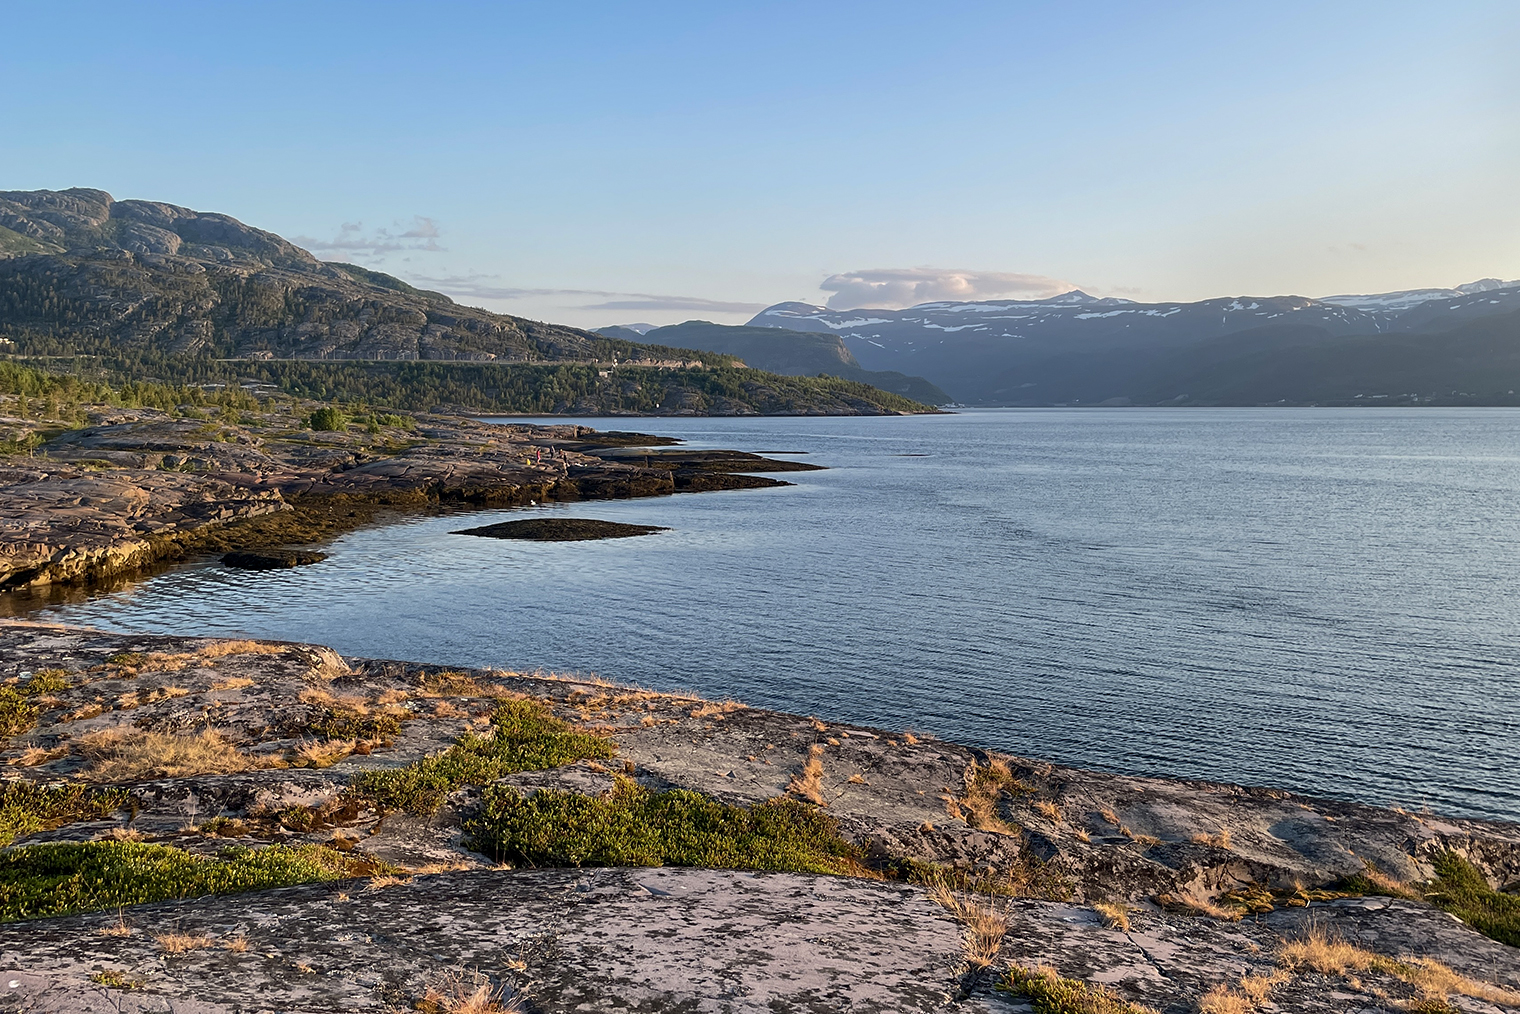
(893, 288)
(480, 287)
(353, 240)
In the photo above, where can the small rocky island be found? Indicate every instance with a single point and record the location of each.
(561, 530)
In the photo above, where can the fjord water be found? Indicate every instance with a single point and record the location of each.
(1316, 599)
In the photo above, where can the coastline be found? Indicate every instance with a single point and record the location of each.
(140, 488)
(1204, 872)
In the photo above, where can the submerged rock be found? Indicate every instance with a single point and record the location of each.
(272, 559)
(561, 530)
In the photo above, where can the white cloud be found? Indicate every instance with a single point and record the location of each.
(892, 288)
(354, 241)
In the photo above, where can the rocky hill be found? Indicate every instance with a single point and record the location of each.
(1077, 348)
(163, 293)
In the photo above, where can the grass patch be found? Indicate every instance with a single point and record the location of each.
(132, 755)
(633, 826)
(1461, 890)
(38, 881)
(18, 707)
(26, 807)
(1051, 994)
(1331, 954)
(524, 737)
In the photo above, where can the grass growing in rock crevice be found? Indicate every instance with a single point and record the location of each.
(524, 737)
(1461, 890)
(38, 881)
(1051, 994)
(634, 826)
(19, 704)
(26, 807)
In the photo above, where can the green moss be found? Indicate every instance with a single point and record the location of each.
(525, 737)
(1051, 994)
(26, 807)
(38, 881)
(633, 826)
(352, 725)
(1461, 890)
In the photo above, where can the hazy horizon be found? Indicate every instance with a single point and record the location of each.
(606, 164)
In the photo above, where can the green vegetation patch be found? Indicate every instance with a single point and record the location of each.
(524, 737)
(1051, 994)
(1461, 890)
(328, 419)
(39, 881)
(26, 807)
(634, 826)
(18, 707)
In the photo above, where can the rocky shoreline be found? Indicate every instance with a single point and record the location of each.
(1159, 890)
(139, 487)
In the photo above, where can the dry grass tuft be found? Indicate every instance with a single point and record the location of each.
(119, 928)
(808, 783)
(125, 834)
(1219, 840)
(1330, 954)
(1115, 914)
(132, 755)
(224, 648)
(1249, 994)
(983, 919)
(35, 755)
(1050, 810)
(234, 683)
(978, 803)
(909, 738)
(1194, 906)
(237, 945)
(457, 994)
(180, 943)
(323, 753)
(1110, 816)
(381, 883)
(709, 709)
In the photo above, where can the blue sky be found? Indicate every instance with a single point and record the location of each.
(595, 163)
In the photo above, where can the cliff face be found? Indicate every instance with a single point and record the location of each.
(97, 274)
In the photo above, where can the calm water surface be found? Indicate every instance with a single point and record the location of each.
(1317, 599)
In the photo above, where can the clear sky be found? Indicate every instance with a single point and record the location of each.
(596, 163)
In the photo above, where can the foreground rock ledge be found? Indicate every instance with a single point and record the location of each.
(678, 939)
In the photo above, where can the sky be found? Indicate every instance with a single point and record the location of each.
(599, 163)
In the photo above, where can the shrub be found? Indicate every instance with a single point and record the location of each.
(328, 418)
(633, 826)
(525, 737)
(26, 807)
(1461, 890)
(39, 881)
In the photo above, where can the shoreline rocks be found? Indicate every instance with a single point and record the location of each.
(1168, 853)
(561, 530)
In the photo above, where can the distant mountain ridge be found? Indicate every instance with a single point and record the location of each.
(1069, 348)
(789, 353)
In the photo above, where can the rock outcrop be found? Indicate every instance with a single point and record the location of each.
(1058, 840)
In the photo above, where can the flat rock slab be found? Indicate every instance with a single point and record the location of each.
(561, 530)
(660, 939)
(272, 559)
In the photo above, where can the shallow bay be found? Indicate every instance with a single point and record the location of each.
(1315, 599)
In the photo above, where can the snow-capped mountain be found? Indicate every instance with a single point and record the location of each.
(987, 351)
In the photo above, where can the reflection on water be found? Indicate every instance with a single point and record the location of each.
(1318, 599)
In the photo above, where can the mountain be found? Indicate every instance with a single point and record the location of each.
(84, 272)
(789, 353)
(156, 292)
(1079, 348)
